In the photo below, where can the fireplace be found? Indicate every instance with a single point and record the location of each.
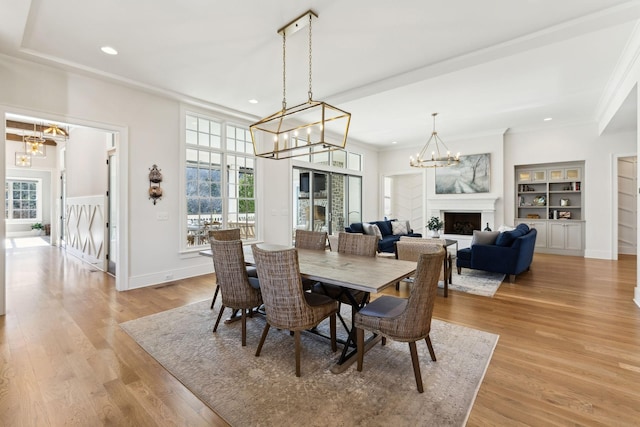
(471, 213)
(462, 222)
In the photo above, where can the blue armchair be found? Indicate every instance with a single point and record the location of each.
(511, 254)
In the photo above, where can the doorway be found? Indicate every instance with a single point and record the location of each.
(403, 197)
(112, 215)
(325, 201)
(627, 205)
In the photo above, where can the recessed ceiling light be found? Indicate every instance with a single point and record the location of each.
(109, 50)
(548, 119)
(394, 142)
(253, 101)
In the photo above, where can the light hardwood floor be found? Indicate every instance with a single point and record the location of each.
(568, 353)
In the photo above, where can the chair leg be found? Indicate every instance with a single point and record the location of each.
(219, 317)
(397, 286)
(430, 347)
(215, 295)
(360, 347)
(332, 332)
(296, 337)
(384, 340)
(416, 365)
(265, 331)
(244, 327)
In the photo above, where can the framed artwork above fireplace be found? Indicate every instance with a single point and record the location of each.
(471, 175)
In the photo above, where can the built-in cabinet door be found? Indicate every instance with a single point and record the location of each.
(573, 236)
(534, 175)
(541, 229)
(565, 235)
(565, 174)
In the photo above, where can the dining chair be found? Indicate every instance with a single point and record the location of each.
(287, 306)
(314, 240)
(239, 291)
(226, 235)
(409, 249)
(357, 244)
(353, 244)
(306, 239)
(405, 320)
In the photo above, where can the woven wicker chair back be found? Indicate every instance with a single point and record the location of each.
(231, 274)
(414, 323)
(281, 287)
(422, 240)
(411, 251)
(306, 239)
(357, 244)
(226, 234)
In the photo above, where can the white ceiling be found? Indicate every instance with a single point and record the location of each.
(483, 65)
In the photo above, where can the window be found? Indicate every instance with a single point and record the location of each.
(388, 182)
(22, 200)
(216, 199)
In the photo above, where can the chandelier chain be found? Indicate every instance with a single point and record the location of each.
(310, 50)
(284, 70)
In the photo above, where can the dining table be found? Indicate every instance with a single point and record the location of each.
(351, 272)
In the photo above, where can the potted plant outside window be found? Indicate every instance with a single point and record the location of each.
(434, 225)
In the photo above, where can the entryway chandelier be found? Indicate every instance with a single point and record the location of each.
(56, 131)
(34, 144)
(437, 156)
(308, 128)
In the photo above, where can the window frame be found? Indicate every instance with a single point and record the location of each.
(225, 152)
(9, 204)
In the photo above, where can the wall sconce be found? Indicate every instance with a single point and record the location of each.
(155, 178)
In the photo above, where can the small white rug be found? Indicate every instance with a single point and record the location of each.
(476, 282)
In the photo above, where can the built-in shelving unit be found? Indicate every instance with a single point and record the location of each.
(549, 197)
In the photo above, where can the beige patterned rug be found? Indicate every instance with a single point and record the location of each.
(264, 391)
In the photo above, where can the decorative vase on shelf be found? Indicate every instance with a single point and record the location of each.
(435, 234)
(487, 228)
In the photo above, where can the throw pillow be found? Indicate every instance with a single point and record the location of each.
(505, 228)
(484, 237)
(385, 227)
(506, 238)
(376, 231)
(399, 227)
(356, 227)
(367, 228)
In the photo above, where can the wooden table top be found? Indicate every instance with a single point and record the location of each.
(369, 274)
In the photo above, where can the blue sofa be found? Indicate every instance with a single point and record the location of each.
(388, 241)
(511, 253)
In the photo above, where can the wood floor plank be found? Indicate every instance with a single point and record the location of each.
(568, 353)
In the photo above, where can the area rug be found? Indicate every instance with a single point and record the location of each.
(476, 282)
(264, 391)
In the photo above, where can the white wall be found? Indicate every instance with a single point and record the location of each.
(396, 162)
(575, 143)
(86, 168)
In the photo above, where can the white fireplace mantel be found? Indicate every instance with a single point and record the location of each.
(485, 205)
(460, 204)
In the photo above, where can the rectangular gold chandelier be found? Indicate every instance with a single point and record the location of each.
(309, 128)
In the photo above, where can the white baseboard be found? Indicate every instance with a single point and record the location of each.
(168, 276)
